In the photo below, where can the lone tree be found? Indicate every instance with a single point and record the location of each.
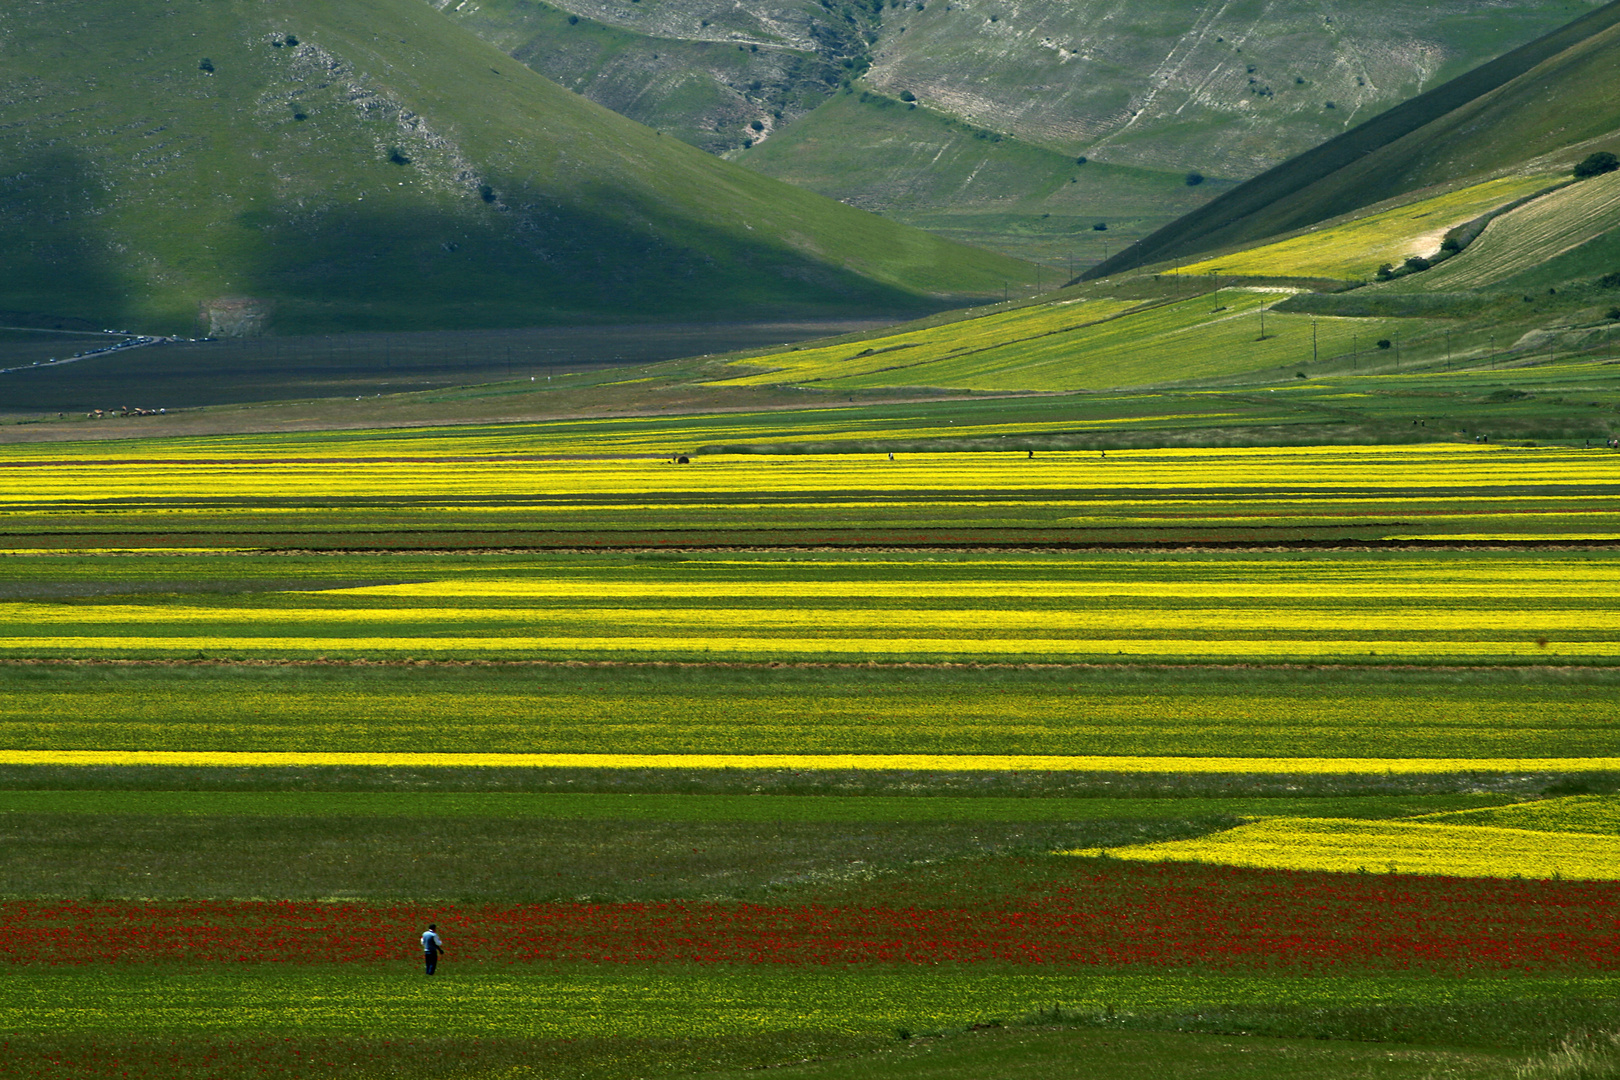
(1596, 165)
(1195, 178)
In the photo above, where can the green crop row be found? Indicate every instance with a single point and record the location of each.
(339, 999)
(727, 808)
(522, 708)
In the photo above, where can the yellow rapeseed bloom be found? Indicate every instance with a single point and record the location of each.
(930, 762)
(1392, 847)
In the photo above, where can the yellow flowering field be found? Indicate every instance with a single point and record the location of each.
(1346, 607)
(1350, 846)
(1260, 766)
(1574, 814)
(477, 490)
(1357, 248)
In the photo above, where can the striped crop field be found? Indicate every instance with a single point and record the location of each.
(1355, 249)
(340, 490)
(1356, 608)
(775, 757)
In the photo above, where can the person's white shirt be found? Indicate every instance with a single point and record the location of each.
(430, 941)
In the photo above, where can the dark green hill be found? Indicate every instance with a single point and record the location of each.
(1559, 92)
(173, 165)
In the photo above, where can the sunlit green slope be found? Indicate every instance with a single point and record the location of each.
(228, 165)
(1558, 97)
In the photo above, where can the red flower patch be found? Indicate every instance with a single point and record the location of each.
(1078, 914)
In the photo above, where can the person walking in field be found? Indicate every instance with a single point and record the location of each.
(431, 947)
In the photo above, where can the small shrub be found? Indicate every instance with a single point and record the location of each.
(1613, 313)
(907, 95)
(1195, 178)
(1596, 165)
(1383, 343)
(1386, 271)
(573, 20)
(1101, 226)
(1417, 263)
(486, 193)
(1610, 281)
(758, 125)
(1329, 105)
(1450, 244)
(397, 156)
(748, 144)
(206, 66)
(1080, 160)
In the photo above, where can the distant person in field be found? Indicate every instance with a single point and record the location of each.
(431, 947)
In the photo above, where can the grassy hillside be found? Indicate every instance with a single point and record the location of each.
(971, 183)
(1354, 248)
(1545, 98)
(1077, 343)
(704, 75)
(1538, 232)
(1169, 89)
(368, 164)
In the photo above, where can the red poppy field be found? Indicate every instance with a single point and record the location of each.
(1050, 913)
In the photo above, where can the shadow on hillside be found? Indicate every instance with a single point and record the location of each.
(525, 259)
(57, 266)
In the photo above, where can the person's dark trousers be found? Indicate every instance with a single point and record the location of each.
(431, 960)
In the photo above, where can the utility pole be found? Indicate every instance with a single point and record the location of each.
(1355, 351)
(1313, 339)
(1262, 322)
(1448, 350)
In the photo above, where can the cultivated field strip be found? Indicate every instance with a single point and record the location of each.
(1350, 846)
(1343, 606)
(1532, 234)
(1268, 474)
(744, 713)
(1259, 766)
(607, 1002)
(476, 492)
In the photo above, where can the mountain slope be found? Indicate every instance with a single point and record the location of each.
(368, 164)
(1550, 96)
(1228, 90)
(971, 183)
